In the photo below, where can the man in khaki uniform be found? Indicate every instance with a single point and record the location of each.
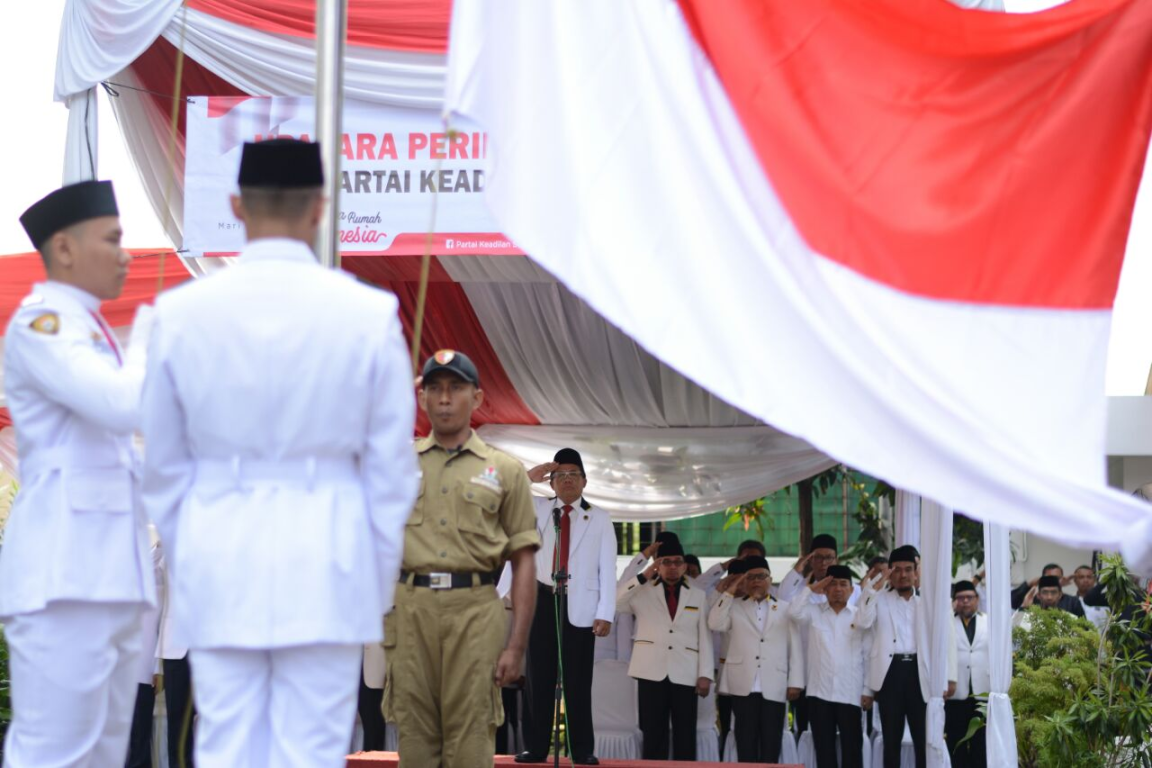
(446, 652)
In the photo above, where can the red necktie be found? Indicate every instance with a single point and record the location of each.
(107, 335)
(670, 596)
(565, 529)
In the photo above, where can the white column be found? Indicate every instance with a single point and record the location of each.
(1001, 728)
(907, 519)
(80, 143)
(936, 602)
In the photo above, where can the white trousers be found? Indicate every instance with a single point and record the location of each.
(73, 667)
(285, 707)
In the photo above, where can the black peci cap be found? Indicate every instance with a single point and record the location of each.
(963, 586)
(904, 554)
(454, 362)
(281, 164)
(671, 548)
(1049, 581)
(569, 456)
(840, 572)
(823, 541)
(754, 561)
(67, 206)
(738, 567)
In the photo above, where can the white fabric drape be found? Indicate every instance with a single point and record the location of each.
(657, 172)
(81, 139)
(268, 64)
(1001, 728)
(638, 473)
(98, 38)
(936, 600)
(569, 365)
(907, 518)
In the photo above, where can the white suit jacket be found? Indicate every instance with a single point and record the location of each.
(77, 530)
(774, 651)
(278, 413)
(972, 664)
(875, 610)
(680, 648)
(591, 560)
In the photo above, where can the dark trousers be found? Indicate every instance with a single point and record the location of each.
(724, 713)
(579, 655)
(660, 701)
(759, 728)
(506, 734)
(140, 737)
(900, 699)
(178, 699)
(957, 716)
(800, 713)
(368, 703)
(828, 717)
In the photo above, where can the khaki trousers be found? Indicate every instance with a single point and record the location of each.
(442, 647)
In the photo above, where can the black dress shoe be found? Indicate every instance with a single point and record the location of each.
(529, 757)
(588, 760)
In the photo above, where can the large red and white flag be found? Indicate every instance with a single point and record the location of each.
(893, 228)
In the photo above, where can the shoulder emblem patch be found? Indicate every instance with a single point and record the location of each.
(489, 478)
(47, 323)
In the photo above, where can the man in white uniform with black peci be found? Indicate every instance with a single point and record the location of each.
(278, 414)
(75, 573)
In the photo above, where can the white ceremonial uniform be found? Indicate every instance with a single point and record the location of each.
(838, 650)
(680, 648)
(764, 654)
(898, 627)
(278, 412)
(591, 560)
(75, 571)
(972, 662)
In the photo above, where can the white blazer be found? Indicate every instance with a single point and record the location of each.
(876, 611)
(775, 652)
(77, 530)
(972, 662)
(679, 649)
(278, 413)
(591, 560)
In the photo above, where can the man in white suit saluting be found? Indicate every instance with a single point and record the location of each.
(672, 653)
(584, 557)
(764, 664)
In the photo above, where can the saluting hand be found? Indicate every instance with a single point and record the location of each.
(802, 564)
(819, 587)
(650, 572)
(735, 582)
(539, 473)
(650, 551)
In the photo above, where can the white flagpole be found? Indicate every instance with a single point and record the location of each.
(331, 30)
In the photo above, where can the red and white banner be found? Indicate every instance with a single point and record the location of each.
(892, 228)
(399, 167)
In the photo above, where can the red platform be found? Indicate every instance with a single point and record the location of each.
(390, 760)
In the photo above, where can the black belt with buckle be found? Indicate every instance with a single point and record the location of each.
(449, 580)
(904, 657)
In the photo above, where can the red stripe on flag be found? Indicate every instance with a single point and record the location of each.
(401, 25)
(449, 323)
(963, 155)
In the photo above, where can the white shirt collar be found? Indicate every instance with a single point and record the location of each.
(277, 248)
(78, 295)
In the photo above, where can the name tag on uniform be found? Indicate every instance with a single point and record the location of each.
(691, 608)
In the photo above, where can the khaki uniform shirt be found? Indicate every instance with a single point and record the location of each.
(474, 509)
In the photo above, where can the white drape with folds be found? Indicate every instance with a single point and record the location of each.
(639, 473)
(907, 516)
(936, 600)
(1001, 728)
(567, 363)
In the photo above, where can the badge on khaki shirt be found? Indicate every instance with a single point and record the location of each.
(47, 323)
(489, 478)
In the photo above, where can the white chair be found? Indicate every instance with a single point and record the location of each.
(707, 734)
(615, 715)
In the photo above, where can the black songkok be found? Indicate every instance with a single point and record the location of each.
(67, 206)
(281, 164)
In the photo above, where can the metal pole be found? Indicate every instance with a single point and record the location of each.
(331, 29)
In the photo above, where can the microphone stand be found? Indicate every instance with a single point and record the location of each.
(560, 602)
